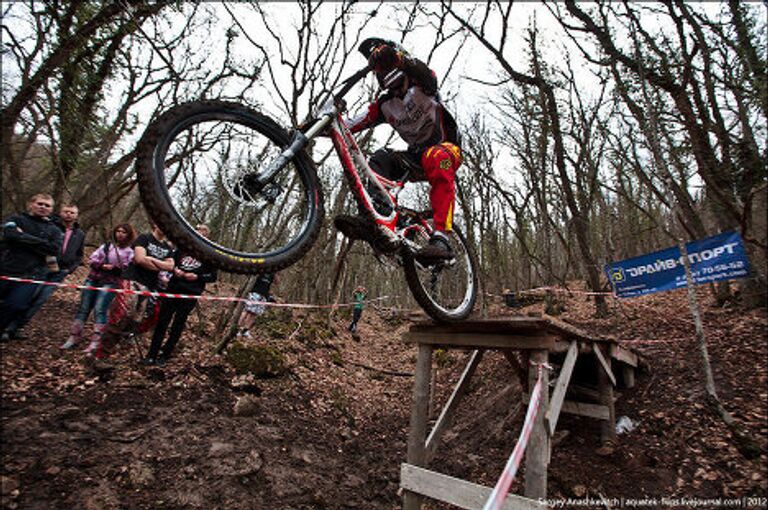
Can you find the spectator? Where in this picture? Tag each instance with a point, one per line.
(357, 311)
(69, 258)
(107, 265)
(259, 294)
(189, 277)
(29, 248)
(152, 253)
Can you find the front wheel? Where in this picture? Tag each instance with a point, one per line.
(446, 291)
(198, 162)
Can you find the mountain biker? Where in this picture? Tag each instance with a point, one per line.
(412, 106)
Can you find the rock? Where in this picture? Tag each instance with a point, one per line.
(247, 405)
(53, 470)
(8, 485)
(579, 491)
(218, 448)
(302, 454)
(141, 474)
(252, 463)
(353, 481)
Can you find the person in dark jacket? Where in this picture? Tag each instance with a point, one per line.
(69, 258)
(189, 277)
(30, 245)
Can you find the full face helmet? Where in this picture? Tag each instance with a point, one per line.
(385, 59)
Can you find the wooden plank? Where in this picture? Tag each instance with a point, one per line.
(504, 325)
(596, 411)
(624, 354)
(628, 374)
(604, 386)
(606, 364)
(537, 452)
(558, 394)
(583, 392)
(481, 340)
(456, 491)
(446, 416)
(418, 425)
(569, 330)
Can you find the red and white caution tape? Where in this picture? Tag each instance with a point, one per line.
(564, 291)
(496, 499)
(170, 295)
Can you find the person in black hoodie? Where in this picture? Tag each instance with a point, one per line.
(189, 277)
(29, 248)
(69, 258)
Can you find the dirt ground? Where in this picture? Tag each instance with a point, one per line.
(330, 433)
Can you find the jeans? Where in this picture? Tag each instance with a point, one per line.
(95, 300)
(356, 314)
(40, 295)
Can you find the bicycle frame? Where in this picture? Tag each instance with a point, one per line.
(354, 163)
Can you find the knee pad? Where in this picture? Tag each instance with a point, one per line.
(441, 161)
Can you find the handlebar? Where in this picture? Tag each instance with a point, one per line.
(351, 81)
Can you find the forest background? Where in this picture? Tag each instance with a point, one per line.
(592, 131)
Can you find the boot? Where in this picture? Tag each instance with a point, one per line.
(75, 333)
(95, 346)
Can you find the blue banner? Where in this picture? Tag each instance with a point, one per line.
(721, 257)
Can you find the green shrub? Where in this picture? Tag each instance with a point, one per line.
(259, 360)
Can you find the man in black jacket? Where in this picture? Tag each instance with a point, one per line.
(69, 258)
(189, 277)
(29, 248)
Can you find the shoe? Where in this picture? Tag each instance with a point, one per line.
(148, 362)
(5, 337)
(69, 344)
(354, 227)
(437, 250)
(161, 361)
(18, 335)
(92, 347)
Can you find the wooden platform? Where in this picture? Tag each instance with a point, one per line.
(544, 339)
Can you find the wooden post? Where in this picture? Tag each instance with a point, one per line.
(537, 453)
(605, 387)
(419, 415)
(558, 394)
(628, 373)
(446, 416)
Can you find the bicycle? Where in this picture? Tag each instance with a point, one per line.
(255, 184)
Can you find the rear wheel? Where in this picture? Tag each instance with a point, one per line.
(447, 290)
(196, 164)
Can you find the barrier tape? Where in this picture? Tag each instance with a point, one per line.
(564, 291)
(496, 499)
(182, 296)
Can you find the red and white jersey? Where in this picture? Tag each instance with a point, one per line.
(418, 116)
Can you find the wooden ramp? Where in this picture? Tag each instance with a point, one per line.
(588, 369)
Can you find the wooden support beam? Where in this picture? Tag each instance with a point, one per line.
(446, 416)
(483, 340)
(537, 452)
(457, 492)
(558, 394)
(625, 355)
(597, 411)
(628, 374)
(606, 364)
(604, 386)
(418, 427)
(592, 395)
